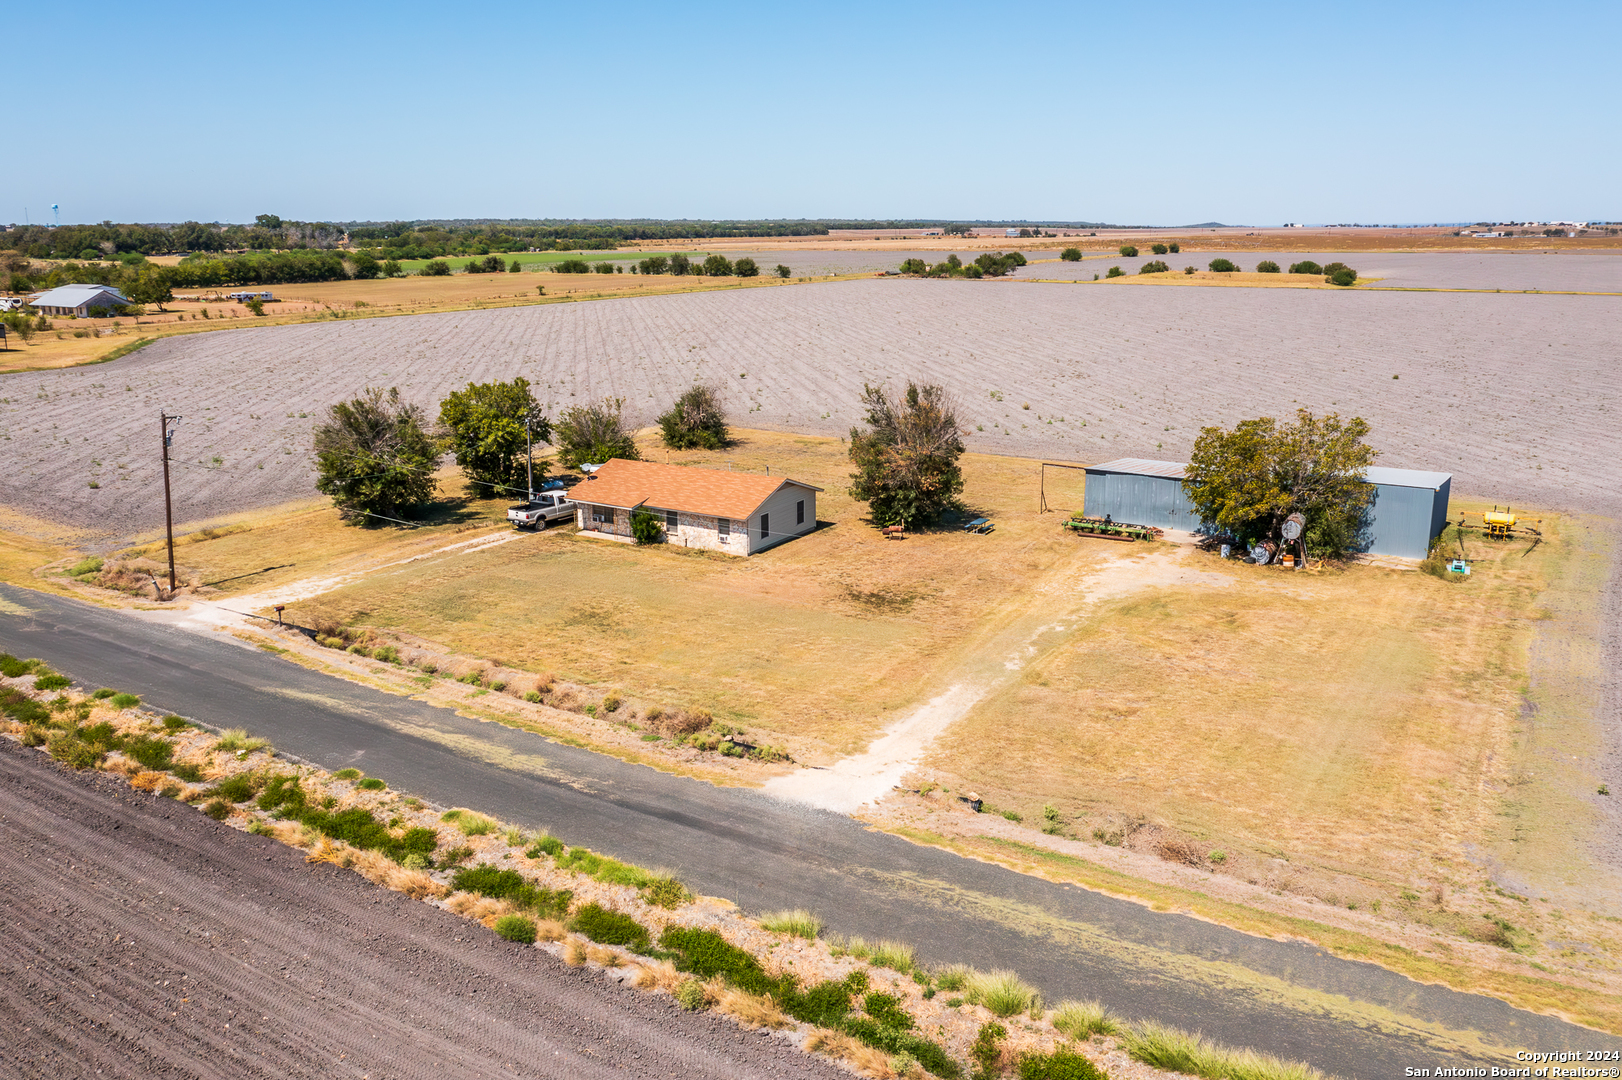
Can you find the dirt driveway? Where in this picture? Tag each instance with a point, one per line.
(143, 939)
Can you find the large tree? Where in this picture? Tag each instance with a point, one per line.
(906, 460)
(695, 420)
(1248, 480)
(593, 433)
(373, 456)
(485, 425)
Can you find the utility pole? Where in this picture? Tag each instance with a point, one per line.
(529, 458)
(164, 421)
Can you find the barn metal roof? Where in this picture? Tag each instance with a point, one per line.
(711, 492)
(1172, 470)
(1414, 478)
(70, 296)
(1375, 474)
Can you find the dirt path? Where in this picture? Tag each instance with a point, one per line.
(1058, 605)
(143, 939)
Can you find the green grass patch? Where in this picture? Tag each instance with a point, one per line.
(492, 881)
(796, 923)
(372, 783)
(13, 668)
(607, 927)
(516, 928)
(124, 701)
(1180, 1052)
(52, 681)
(346, 774)
(545, 845)
(156, 754)
(238, 788)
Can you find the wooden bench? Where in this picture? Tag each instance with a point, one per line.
(895, 532)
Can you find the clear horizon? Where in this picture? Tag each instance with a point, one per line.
(1254, 116)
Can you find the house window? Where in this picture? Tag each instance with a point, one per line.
(672, 520)
(723, 529)
(765, 526)
(799, 512)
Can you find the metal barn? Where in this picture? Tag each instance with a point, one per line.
(1408, 509)
(1140, 492)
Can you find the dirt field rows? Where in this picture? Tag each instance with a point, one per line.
(1506, 392)
(1566, 271)
(143, 939)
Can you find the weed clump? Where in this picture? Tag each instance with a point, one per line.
(608, 927)
(1003, 993)
(516, 928)
(371, 783)
(545, 845)
(346, 774)
(218, 809)
(239, 788)
(499, 884)
(1081, 1020)
(796, 923)
(155, 754)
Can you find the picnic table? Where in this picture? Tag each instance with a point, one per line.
(979, 525)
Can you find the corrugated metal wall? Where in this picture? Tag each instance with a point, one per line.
(1402, 520)
(1139, 500)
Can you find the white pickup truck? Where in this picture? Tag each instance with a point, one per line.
(544, 509)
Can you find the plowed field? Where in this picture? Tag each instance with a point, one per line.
(143, 939)
(1514, 395)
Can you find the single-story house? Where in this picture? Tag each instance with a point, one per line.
(78, 300)
(1408, 508)
(736, 513)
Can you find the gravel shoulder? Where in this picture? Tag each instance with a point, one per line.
(144, 939)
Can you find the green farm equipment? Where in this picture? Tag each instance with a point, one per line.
(1111, 530)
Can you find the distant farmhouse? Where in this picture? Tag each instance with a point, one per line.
(1407, 511)
(78, 300)
(735, 513)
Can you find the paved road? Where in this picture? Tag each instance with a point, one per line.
(1292, 999)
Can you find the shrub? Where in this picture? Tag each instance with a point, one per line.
(435, 268)
(1082, 1020)
(1154, 267)
(516, 928)
(1223, 266)
(1306, 266)
(608, 927)
(666, 892)
(238, 788)
(1070, 254)
(657, 264)
(887, 1010)
(386, 653)
(103, 694)
(456, 856)
(797, 923)
(695, 420)
(13, 668)
(281, 793)
(1003, 993)
(75, 752)
(52, 681)
(913, 266)
(746, 267)
(907, 458)
(186, 771)
(572, 266)
(593, 433)
(1189, 270)
(782, 271)
(1115, 271)
(218, 809)
(1343, 277)
(546, 845)
(647, 527)
(85, 567)
(895, 955)
(371, 783)
(1158, 249)
(689, 994)
(532, 696)
(1128, 251)
(124, 701)
(986, 1052)
(1175, 248)
(175, 723)
(1062, 1064)
(234, 739)
(155, 754)
(1267, 266)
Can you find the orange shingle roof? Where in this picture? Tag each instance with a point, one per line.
(711, 492)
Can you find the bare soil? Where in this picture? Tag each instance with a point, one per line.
(144, 939)
(1501, 391)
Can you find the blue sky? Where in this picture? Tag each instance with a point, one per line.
(1129, 113)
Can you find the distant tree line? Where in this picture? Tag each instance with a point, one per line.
(712, 266)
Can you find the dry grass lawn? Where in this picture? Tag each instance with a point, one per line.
(1365, 719)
